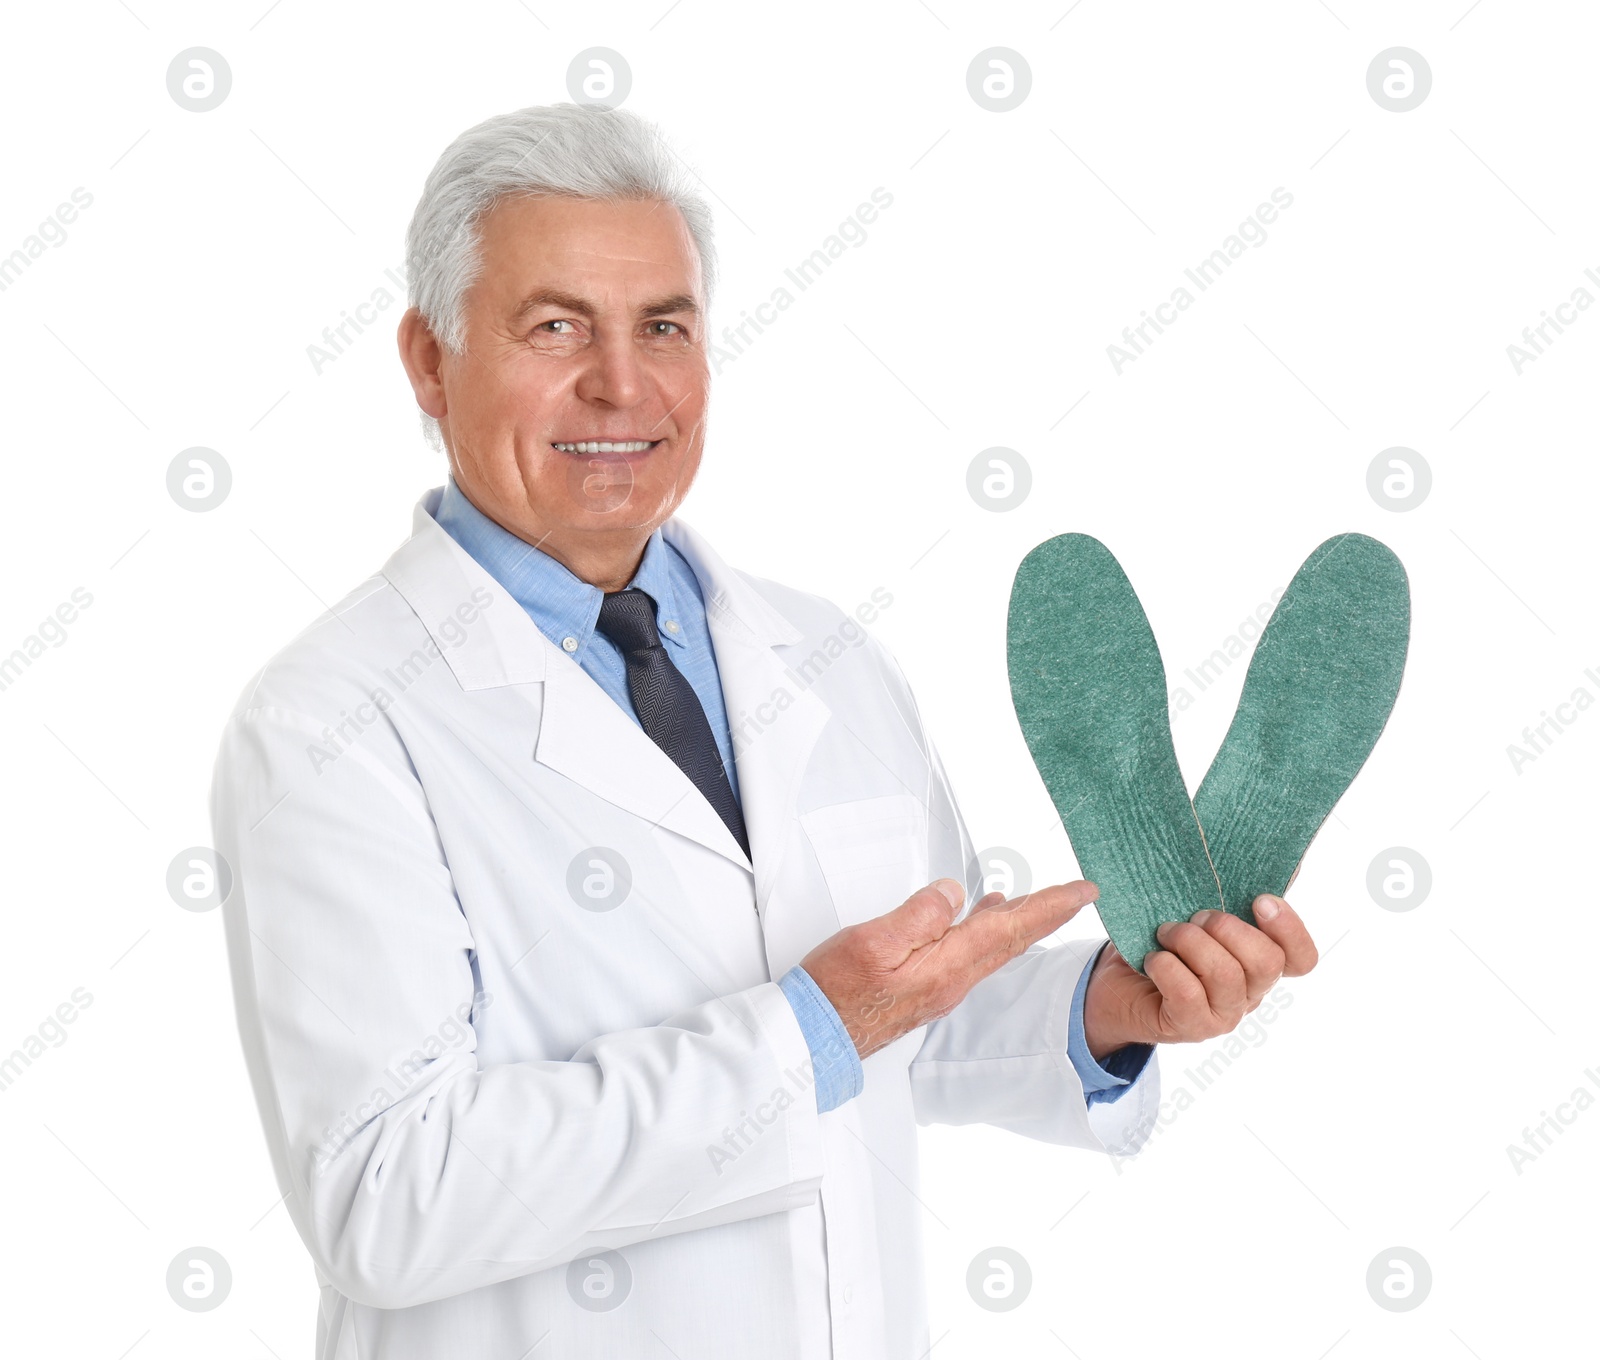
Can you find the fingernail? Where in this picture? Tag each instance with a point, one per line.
(1202, 916)
(1267, 907)
(952, 892)
(1163, 930)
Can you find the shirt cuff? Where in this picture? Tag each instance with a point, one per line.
(1108, 1082)
(835, 1065)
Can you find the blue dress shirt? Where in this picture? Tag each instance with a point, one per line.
(565, 609)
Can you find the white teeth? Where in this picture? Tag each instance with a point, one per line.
(607, 446)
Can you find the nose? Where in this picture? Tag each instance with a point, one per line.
(613, 374)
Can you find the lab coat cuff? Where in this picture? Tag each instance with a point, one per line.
(802, 1125)
(1108, 1081)
(835, 1065)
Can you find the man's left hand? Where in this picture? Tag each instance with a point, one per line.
(1209, 973)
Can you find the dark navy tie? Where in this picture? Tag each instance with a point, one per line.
(668, 708)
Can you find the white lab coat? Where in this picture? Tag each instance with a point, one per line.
(502, 1112)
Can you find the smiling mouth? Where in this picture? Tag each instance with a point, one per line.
(607, 446)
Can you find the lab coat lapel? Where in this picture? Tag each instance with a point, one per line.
(775, 718)
(583, 734)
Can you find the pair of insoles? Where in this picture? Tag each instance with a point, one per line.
(1091, 694)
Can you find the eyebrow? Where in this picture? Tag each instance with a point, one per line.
(571, 302)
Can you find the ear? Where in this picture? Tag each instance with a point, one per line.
(422, 355)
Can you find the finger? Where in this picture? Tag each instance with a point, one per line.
(1183, 1007)
(983, 942)
(986, 902)
(1276, 919)
(922, 918)
(1258, 953)
(1208, 959)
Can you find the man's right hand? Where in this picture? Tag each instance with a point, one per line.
(896, 972)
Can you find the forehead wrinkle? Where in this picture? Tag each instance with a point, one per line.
(634, 299)
(605, 273)
(616, 256)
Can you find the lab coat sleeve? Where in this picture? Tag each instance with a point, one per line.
(1000, 1057)
(412, 1171)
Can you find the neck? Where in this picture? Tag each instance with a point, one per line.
(606, 561)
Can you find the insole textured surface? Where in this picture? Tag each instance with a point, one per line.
(1091, 694)
(1319, 690)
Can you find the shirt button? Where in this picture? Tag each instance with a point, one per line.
(569, 644)
(848, 1293)
(672, 625)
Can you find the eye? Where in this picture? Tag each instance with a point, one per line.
(558, 322)
(672, 325)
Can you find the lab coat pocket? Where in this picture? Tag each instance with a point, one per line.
(873, 852)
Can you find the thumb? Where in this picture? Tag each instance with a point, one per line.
(928, 913)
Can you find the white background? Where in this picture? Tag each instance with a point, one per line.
(218, 246)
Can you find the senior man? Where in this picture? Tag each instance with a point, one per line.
(597, 932)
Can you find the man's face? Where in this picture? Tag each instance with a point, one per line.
(585, 326)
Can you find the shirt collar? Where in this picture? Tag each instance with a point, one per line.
(559, 603)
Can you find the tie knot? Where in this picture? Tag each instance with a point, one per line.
(628, 618)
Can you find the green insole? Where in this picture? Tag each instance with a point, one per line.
(1091, 695)
(1319, 690)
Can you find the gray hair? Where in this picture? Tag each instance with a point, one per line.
(572, 150)
(576, 150)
